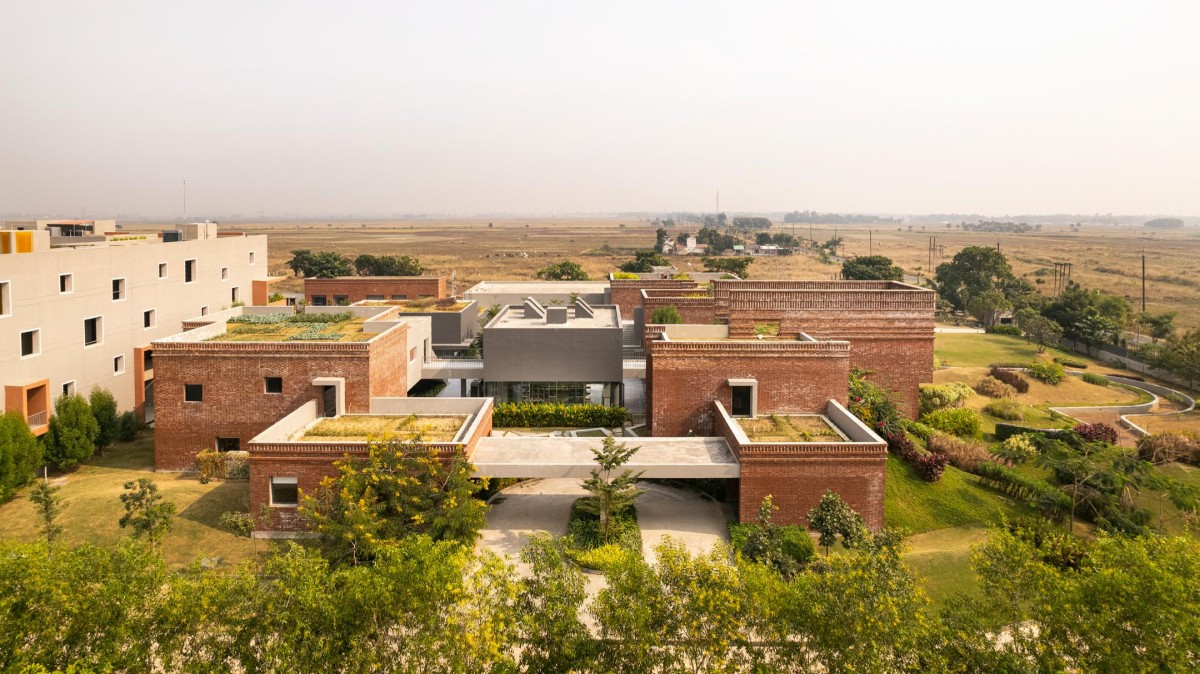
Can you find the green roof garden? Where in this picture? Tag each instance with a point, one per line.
(340, 327)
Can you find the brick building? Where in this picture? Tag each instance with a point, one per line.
(345, 290)
(218, 388)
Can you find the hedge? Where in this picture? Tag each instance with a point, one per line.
(964, 423)
(1047, 498)
(1011, 378)
(1071, 362)
(1005, 330)
(1006, 431)
(1097, 379)
(545, 415)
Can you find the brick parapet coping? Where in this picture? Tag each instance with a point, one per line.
(752, 347)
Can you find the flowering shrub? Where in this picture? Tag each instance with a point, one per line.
(1047, 371)
(931, 466)
(1097, 432)
(935, 397)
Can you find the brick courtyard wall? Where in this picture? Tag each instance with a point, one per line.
(797, 475)
(697, 310)
(356, 288)
(235, 403)
(683, 378)
(627, 293)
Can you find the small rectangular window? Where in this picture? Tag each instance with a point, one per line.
(375, 298)
(203, 311)
(193, 393)
(189, 271)
(319, 300)
(162, 269)
(284, 491)
(68, 388)
(66, 283)
(412, 354)
(251, 257)
(31, 343)
(118, 289)
(148, 318)
(5, 298)
(273, 384)
(92, 332)
(234, 295)
(118, 364)
(228, 444)
(399, 297)
(224, 273)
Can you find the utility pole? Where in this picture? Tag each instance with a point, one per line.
(1143, 280)
(185, 201)
(870, 242)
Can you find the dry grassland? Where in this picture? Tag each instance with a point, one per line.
(1108, 258)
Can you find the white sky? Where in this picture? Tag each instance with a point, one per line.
(274, 108)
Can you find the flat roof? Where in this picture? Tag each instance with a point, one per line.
(347, 330)
(518, 287)
(514, 317)
(418, 306)
(363, 427)
(572, 457)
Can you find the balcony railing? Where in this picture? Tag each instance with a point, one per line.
(36, 419)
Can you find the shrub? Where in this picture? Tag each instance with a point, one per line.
(1097, 432)
(71, 438)
(128, 426)
(874, 405)
(961, 454)
(543, 415)
(259, 319)
(1163, 448)
(931, 466)
(20, 454)
(1011, 378)
(1016, 449)
(1071, 362)
(320, 318)
(919, 429)
(666, 316)
(624, 275)
(1005, 330)
(794, 540)
(1005, 409)
(1005, 431)
(1043, 496)
(994, 388)
(961, 422)
(601, 558)
(1047, 371)
(214, 465)
(241, 524)
(934, 397)
(900, 445)
(1097, 379)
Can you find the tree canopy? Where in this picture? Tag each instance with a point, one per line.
(871, 268)
(20, 454)
(973, 271)
(387, 265)
(322, 264)
(71, 438)
(563, 271)
(644, 262)
(738, 266)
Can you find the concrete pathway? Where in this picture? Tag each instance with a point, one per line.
(684, 516)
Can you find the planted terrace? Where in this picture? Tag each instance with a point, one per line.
(791, 428)
(308, 327)
(361, 428)
(419, 306)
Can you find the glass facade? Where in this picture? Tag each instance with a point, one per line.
(567, 393)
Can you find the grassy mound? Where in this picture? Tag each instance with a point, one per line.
(956, 500)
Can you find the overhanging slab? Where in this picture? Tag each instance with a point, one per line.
(532, 457)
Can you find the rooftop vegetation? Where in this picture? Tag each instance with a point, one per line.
(790, 428)
(314, 327)
(352, 428)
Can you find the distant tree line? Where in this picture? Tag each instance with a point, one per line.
(745, 223)
(1164, 223)
(1006, 227)
(328, 264)
(836, 218)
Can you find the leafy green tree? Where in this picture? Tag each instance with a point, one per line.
(738, 266)
(402, 488)
(71, 438)
(973, 271)
(104, 409)
(549, 601)
(323, 264)
(871, 268)
(20, 454)
(660, 238)
(644, 262)
(1180, 353)
(668, 315)
(1160, 326)
(610, 494)
(387, 265)
(1038, 329)
(128, 426)
(146, 512)
(832, 518)
(1088, 315)
(48, 505)
(766, 544)
(987, 306)
(563, 271)
(1164, 223)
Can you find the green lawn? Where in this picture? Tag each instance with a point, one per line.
(93, 496)
(955, 500)
(942, 558)
(981, 350)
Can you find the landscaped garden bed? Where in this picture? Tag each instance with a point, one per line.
(791, 428)
(585, 543)
(357, 428)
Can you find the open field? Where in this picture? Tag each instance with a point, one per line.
(94, 507)
(1104, 257)
(1189, 421)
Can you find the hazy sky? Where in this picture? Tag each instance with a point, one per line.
(274, 108)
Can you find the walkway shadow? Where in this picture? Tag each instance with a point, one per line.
(224, 497)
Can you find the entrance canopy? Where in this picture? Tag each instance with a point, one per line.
(572, 457)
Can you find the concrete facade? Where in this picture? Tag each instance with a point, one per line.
(53, 291)
(351, 289)
(505, 293)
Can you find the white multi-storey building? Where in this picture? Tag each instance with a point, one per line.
(80, 311)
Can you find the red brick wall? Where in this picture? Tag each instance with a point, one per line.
(356, 288)
(797, 483)
(696, 310)
(627, 293)
(683, 378)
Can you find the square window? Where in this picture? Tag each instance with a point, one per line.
(5, 298)
(193, 393)
(118, 289)
(341, 300)
(31, 343)
(273, 384)
(66, 283)
(118, 364)
(68, 388)
(189, 271)
(92, 331)
(228, 444)
(224, 273)
(284, 491)
(148, 318)
(319, 300)
(162, 269)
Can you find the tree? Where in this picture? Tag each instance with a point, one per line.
(563, 271)
(610, 495)
(48, 505)
(402, 488)
(660, 238)
(20, 454)
(146, 512)
(1180, 353)
(1088, 315)
(549, 602)
(871, 268)
(668, 315)
(762, 238)
(644, 262)
(1043, 331)
(831, 518)
(987, 306)
(1164, 223)
(1160, 326)
(751, 223)
(71, 438)
(387, 265)
(324, 264)
(973, 271)
(104, 409)
(736, 266)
